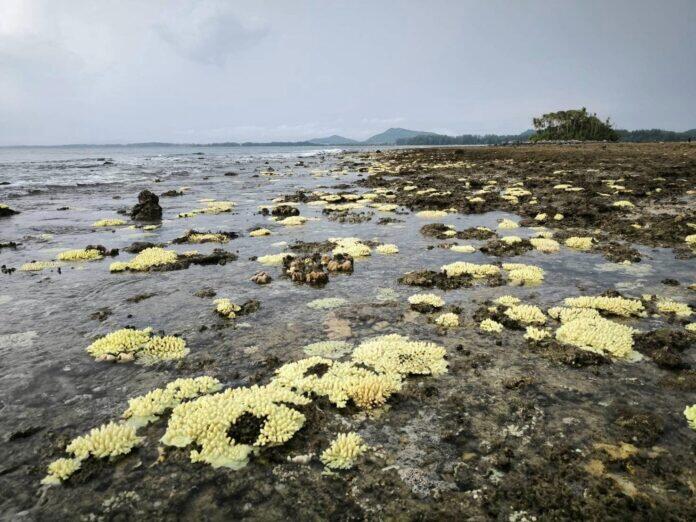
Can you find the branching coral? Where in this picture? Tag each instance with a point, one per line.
(108, 440)
(511, 240)
(81, 254)
(669, 306)
(507, 300)
(145, 260)
(127, 344)
(475, 270)
(387, 249)
(37, 266)
(489, 325)
(108, 223)
(430, 300)
(226, 308)
(274, 259)
(344, 451)
(397, 354)
(448, 320)
(507, 223)
(579, 243)
(227, 427)
(545, 245)
(351, 246)
(330, 349)
(597, 335)
(690, 414)
(526, 314)
(431, 214)
(147, 408)
(536, 334)
(463, 249)
(564, 314)
(212, 207)
(61, 469)
(521, 274)
(260, 232)
(612, 305)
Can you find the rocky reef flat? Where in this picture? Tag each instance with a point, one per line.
(488, 333)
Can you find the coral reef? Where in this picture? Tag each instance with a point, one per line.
(426, 303)
(598, 335)
(80, 254)
(611, 305)
(448, 320)
(128, 344)
(344, 451)
(489, 325)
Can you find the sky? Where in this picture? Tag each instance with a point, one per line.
(123, 71)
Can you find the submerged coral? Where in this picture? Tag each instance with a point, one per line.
(344, 451)
(326, 303)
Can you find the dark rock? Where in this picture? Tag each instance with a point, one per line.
(139, 246)
(147, 208)
(206, 292)
(172, 193)
(261, 278)
(7, 211)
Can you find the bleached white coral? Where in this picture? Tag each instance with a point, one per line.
(145, 260)
(463, 249)
(526, 314)
(147, 408)
(623, 204)
(388, 249)
(448, 320)
(108, 440)
(344, 451)
(597, 335)
(427, 299)
(579, 243)
(489, 325)
(475, 270)
(80, 254)
(212, 207)
(613, 305)
(398, 354)
(545, 245)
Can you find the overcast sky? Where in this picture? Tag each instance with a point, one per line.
(98, 71)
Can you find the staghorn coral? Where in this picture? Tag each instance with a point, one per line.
(60, 470)
(344, 451)
(669, 306)
(463, 249)
(526, 314)
(147, 408)
(489, 325)
(507, 224)
(612, 305)
(598, 335)
(474, 270)
(351, 246)
(274, 259)
(37, 266)
(260, 232)
(579, 243)
(690, 414)
(108, 223)
(507, 300)
(395, 353)
(108, 440)
(80, 254)
(521, 274)
(448, 320)
(145, 260)
(536, 334)
(339, 382)
(548, 246)
(226, 308)
(227, 427)
(127, 344)
(387, 249)
(330, 349)
(564, 314)
(426, 300)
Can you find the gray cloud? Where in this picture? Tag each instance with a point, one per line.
(214, 70)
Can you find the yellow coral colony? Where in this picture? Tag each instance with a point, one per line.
(226, 308)
(674, 307)
(448, 320)
(507, 224)
(397, 354)
(387, 249)
(431, 214)
(209, 423)
(548, 246)
(521, 274)
(536, 334)
(38, 266)
(260, 232)
(427, 299)
(212, 207)
(489, 325)
(463, 249)
(273, 259)
(80, 254)
(477, 271)
(109, 440)
(526, 314)
(690, 414)
(147, 408)
(612, 305)
(344, 451)
(145, 260)
(579, 243)
(207, 238)
(108, 223)
(597, 335)
(127, 344)
(351, 246)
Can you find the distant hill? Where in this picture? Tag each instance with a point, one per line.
(393, 135)
(465, 139)
(334, 140)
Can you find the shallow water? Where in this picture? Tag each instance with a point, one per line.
(48, 381)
